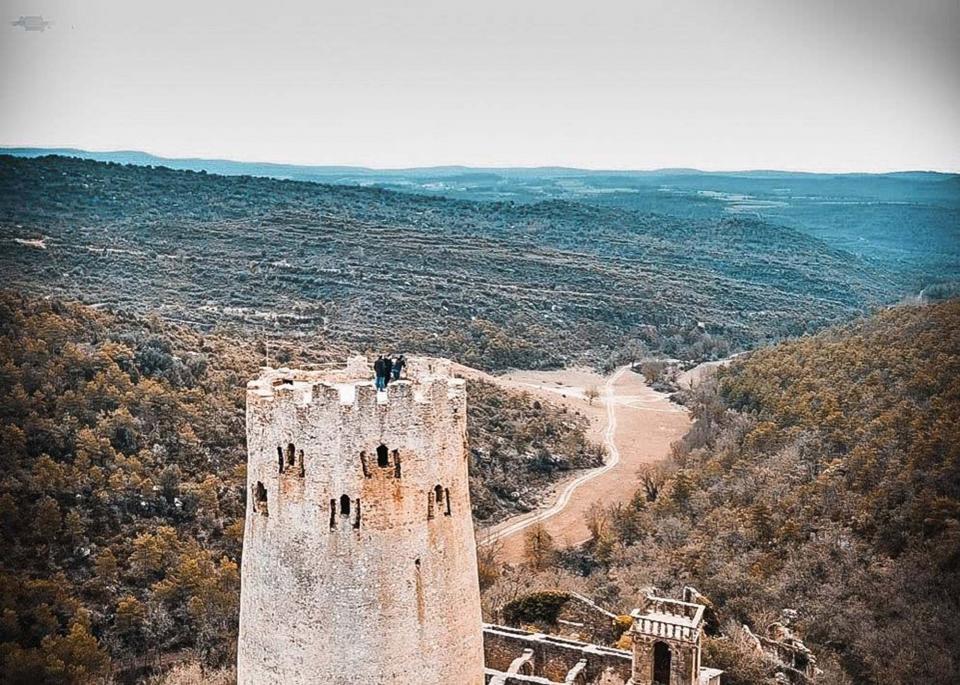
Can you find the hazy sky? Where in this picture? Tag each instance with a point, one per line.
(806, 84)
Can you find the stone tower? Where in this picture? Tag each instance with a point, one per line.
(359, 563)
(666, 642)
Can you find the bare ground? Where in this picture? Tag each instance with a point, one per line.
(636, 423)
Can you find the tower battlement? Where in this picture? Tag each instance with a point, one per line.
(427, 381)
(358, 559)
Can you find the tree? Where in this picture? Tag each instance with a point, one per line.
(131, 617)
(653, 370)
(737, 656)
(597, 518)
(681, 487)
(652, 478)
(47, 519)
(76, 657)
(75, 527)
(591, 393)
(762, 522)
(488, 563)
(539, 546)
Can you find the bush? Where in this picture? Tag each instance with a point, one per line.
(538, 608)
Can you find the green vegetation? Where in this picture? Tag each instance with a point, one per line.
(864, 214)
(536, 608)
(492, 284)
(122, 502)
(122, 525)
(518, 445)
(821, 475)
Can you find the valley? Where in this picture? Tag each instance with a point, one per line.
(141, 299)
(495, 285)
(636, 425)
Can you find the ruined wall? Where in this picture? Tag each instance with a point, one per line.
(497, 678)
(585, 618)
(554, 657)
(359, 563)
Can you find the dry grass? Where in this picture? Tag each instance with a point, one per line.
(192, 673)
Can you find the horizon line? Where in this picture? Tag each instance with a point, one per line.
(59, 149)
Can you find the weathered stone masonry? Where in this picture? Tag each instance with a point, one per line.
(549, 659)
(358, 560)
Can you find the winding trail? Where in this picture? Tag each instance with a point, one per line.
(518, 523)
(636, 424)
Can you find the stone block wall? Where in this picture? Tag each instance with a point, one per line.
(579, 614)
(553, 657)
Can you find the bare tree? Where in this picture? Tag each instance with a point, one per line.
(539, 546)
(591, 393)
(652, 479)
(597, 518)
(489, 566)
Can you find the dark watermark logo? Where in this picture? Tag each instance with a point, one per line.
(32, 23)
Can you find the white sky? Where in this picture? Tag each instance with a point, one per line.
(865, 85)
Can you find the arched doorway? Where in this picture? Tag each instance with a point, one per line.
(661, 663)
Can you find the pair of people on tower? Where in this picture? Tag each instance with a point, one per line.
(386, 369)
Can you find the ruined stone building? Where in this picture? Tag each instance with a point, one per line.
(794, 663)
(359, 563)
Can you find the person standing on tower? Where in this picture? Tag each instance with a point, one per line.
(398, 365)
(379, 370)
(387, 370)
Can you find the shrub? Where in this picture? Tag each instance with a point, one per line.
(539, 608)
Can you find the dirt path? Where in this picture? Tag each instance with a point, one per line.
(636, 424)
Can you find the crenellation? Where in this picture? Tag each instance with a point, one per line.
(423, 378)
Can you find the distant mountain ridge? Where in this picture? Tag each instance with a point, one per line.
(494, 284)
(217, 165)
(908, 221)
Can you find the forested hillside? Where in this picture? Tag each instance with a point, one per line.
(493, 284)
(907, 222)
(122, 498)
(821, 475)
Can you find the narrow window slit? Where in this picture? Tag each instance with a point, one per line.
(291, 454)
(383, 456)
(446, 493)
(333, 514)
(260, 499)
(430, 504)
(344, 505)
(356, 519)
(396, 463)
(364, 465)
(303, 470)
(280, 458)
